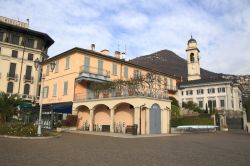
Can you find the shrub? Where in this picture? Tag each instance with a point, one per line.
(70, 121)
(175, 111)
(191, 121)
(174, 101)
(18, 129)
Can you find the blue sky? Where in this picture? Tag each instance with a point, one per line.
(221, 27)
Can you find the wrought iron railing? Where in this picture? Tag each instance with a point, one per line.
(28, 78)
(94, 70)
(12, 76)
(119, 93)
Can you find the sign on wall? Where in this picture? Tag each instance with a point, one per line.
(14, 22)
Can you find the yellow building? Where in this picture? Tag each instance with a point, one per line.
(19, 47)
(111, 110)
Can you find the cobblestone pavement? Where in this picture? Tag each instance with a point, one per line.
(77, 149)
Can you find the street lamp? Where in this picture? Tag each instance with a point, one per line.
(37, 65)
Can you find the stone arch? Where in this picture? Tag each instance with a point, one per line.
(124, 114)
(192, 57)
(83, 114)
(101, 117)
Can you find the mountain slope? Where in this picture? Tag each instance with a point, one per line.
(168, 62)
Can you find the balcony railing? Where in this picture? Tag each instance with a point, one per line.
(28, 78)
(94, 72)
(12, 76)
(26, 97)
(117, 93)
(172, 88)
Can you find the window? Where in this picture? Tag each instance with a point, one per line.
(211, 104)
(221, 90)
(114, 71)
(26, 90)
(137, 73)
(47, 70)
(171, 84)
(30, 43)
(189, 92)
(12, 71)
(57, 66)
(182, 93)
(10, 87)
(86, 64)
(159, 81)
(0, 50)
(166, 84)
(54, 89)
(192, 57)
(30, 57)
(15, 39)
(126, 71)
(28, 72)
(210, 90)
(1, 36)
(100, 67)
(222, 103)
(45, 92)
(199, 91)
(65, 88)
(14, 53)
(67, 62)
(200, 103)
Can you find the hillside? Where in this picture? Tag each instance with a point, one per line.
(168, 62)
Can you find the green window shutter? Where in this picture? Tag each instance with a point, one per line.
(114, 71)
(125, 71)
(100, 67)
(86, 63)
(65, 88)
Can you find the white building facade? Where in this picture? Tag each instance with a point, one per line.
(219, 94)
(209, 93)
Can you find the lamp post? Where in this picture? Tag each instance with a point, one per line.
(38, 66)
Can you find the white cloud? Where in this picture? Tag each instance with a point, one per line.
(222, 28)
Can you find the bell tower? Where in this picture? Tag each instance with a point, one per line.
(193, 63)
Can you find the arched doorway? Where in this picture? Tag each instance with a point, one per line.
(155, 119)
(84, 119)
(101, 118)
(123, 116)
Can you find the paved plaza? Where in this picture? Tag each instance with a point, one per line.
(206, 149)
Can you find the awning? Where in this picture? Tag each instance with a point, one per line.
(64, 107)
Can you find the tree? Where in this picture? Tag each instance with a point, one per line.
(8, 106)
(174, 101)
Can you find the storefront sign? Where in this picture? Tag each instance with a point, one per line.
(13, 22)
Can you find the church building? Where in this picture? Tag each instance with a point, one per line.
(213, 92)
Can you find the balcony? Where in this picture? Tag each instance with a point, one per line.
(28, 78)
(79, 97)
(12, 76)
(172, 89)
(92, 73)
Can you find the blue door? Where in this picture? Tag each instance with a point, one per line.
(155, 119)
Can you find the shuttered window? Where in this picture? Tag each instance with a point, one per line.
(126, 71)
(114, 71)
(54, 89)
(100, 67)
(86, 64)
(65, 88)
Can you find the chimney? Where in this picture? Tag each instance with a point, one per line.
(105, 52)
(118, 54)
(93, 47)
